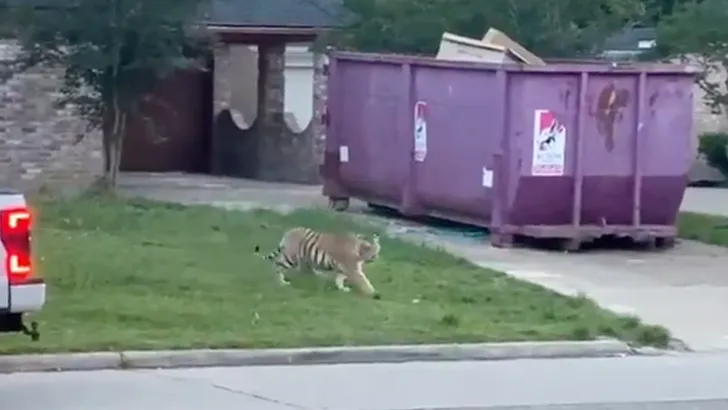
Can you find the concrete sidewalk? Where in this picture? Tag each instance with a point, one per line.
(684, 289)
(713, 201)
(679, 382)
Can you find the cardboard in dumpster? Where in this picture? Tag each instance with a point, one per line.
(498, 38)
(459, 48)
(495, 47)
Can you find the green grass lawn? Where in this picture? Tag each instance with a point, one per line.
(144, 275)
(703, 228)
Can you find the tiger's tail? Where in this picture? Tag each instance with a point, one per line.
(271, 256)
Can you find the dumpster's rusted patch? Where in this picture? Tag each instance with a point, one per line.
(564, 97)
(653, 98)
(609, 104)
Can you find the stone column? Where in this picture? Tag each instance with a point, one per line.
(270, 127)
(221, 100)
(320, 93)
(283, 154)
(271, 81)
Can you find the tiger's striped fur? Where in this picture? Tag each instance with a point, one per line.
(343, 254)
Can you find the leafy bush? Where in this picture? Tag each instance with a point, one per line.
(713, 146)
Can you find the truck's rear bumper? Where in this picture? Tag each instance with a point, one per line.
(28, 297)
(12, 323)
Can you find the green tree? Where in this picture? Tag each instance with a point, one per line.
(551, 28)
(656, 10)
(697, 34)
(112, 52)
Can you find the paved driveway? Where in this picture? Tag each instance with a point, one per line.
(684, 289)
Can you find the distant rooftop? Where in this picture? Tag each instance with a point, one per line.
(632, 40)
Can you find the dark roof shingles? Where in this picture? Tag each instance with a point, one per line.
(284, 13)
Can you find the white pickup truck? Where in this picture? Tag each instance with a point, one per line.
(21, 289)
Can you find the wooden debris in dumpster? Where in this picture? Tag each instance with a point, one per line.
(459, 48)
(495, 47)
(498, 38)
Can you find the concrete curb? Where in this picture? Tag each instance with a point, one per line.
(62, 361)
(311, 356)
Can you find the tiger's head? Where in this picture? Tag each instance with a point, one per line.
(369, 249)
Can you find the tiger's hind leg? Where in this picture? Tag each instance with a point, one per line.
(281, 273)
(282, 279)
(339, 280)
(280, 262)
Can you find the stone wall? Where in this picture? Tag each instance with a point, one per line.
(42, 146)
(705, 120)
(268, 149)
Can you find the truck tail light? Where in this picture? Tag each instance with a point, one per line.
(15, 237)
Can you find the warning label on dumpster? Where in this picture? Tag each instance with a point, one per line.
(549, 145)
(420, 131)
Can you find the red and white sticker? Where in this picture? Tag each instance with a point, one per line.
(549, 145)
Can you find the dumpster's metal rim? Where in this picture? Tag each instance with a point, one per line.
(561, 68)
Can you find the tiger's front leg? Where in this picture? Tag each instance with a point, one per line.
(361, 281)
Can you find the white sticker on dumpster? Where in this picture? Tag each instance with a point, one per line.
(343, 153)
(420, 131)
(549, 145)
(487, 178)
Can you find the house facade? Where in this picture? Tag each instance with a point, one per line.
(47, 147)
(42, 146)
(629, 43)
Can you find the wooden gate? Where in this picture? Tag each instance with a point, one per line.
(172, 132)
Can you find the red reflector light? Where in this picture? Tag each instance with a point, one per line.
(15, 236)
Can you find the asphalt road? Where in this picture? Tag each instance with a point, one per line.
(688, 381)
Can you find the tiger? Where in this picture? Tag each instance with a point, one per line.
(343, 254)
(369, 250)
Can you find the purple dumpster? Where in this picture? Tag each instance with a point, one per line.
(571, 151)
